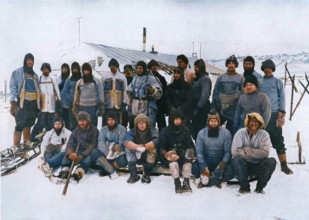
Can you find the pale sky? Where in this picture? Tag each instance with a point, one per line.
(47, 29)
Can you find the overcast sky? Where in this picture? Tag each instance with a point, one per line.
(49, 28)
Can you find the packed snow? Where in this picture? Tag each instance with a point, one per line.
(27, 194)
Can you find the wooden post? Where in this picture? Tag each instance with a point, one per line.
(292, 97)
(285, 74)
(292, 79)
(300, 149)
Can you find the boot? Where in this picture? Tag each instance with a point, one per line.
(244, 191)
(64, 173)
(78, 174)
(177, 185)
(186, 185)
(17, 137)
(146, 178)
(284, 165)
(259, 190)
(26, 135)
(134, 177)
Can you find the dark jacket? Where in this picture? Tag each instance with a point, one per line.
(161, 102)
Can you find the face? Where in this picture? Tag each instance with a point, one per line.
(30, 63)
(86, 72)
(139, 70)
(268, 71)
(177, 121)
(74, 70)
(176, 76)
(248, 65)
(154, 68)
(111, 122)
(57, 125)
(250, 88)
(141, 126)
(82, 124)
(196, 68)
(128, 72)
(231, 67)
(181, 64)
(253, 124)
(64, 70)
(46, 72)
(113, 69)
(213, 123)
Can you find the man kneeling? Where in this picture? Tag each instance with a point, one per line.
(141, 142)
(178, 149)
(250, 149)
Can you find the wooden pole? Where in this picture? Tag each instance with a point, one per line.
(292, 79)
(285, 74)
(300, 149)
(292, 97)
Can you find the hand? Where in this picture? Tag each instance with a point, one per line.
(171, 155)
(14, 109)
(116, 147)
(79, 158)
(150, 90)
(73, 156)
(205, 176)
(141, 149)
(221, 166)
(280, 119)
(189, 154)
(205, 172)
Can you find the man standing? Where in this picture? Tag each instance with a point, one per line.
(178, 149)
(273, 88)
(110, 154)
(25, 98)
(89, 96)
(143, 93)
(249, 64)
(128, 72)
(250, 149)
(54, 143)
(67, 94)
(183, 62)
(49, 93)
(115, 86)
(160, 117)
(227, 91)
(86, 137)
(64, 112)
(141, 142)
(252, 101)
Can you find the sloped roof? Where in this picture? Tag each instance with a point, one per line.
(126, 56)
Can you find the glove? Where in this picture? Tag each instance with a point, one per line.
(116, 147)
(221, 166)
(14, 109)
(189, 154)
(171, 155)
(150, 90)
(75, 110)
(141, 149)
(73, 156)
(280, 119)
(205, 176)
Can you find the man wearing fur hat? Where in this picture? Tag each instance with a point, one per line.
(250, 150)
(54, 143)
(128, 72)
(248, 65)
(89, 95)
(110, 154)
(273, 88)
(49, 92)
(141, 143)
(252, 101)
(68, 91)
(143, 93)
(178, 149)
(227, 90)
(115, 86)
(213, 149)
(25, 99)
(160, 117)
(86, 137)
(179, 96)
(183, 62)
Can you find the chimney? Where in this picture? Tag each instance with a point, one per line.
(144, 39)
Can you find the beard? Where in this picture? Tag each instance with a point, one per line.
(213, 132)
(248, 72)
(88, 78)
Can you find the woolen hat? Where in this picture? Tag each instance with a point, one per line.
(183, 58)
(268, 64)
(113, 62)
(232, 59)
(251, 79)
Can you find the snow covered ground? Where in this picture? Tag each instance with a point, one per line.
(27, 194)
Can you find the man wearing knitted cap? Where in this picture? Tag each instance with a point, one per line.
(25, 99)
(54, 143)
(68, 91)
(250, 150)
(252, 101)
(115, 86)
(213, 149)
(49, 93)
(160, 117)
(85, 136)
(227, 90)
(177, 148)
(248, 65)
(128, 73)
(143, 93)
(89, 95)
(141, 143)
(273, 88)
(183, 62)
(110, 154)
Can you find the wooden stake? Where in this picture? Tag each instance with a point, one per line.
(292, 97)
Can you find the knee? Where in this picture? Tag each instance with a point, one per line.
(151, 157)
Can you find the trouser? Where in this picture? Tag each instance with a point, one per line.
(73, 121)
(275, 133)
(65, 115)
(92, 111)
(229, 123)
(147, 159)
(182, 165)
(263, 170)
(160, 118)
(117, 111)
(109, 166)
(125, 118)
(45, 120)
(55, 160)
(26, 116)
(84, 163)
(198, 123)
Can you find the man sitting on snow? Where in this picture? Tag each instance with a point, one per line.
(85, 136)
(250, 149)
(141, 142)
(54, 143)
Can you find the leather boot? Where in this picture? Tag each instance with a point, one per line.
(26, 134)
(186, 185)
(284, 165)
(16, 138)
(177, 185)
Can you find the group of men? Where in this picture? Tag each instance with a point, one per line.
(252, 108)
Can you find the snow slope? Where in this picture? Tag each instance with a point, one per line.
(27, 194)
